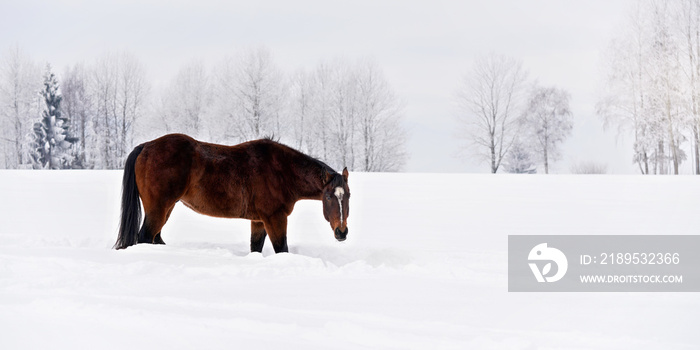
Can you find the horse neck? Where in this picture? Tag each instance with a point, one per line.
(310, 182)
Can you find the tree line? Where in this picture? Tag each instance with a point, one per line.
(93, 114)
(652, 84)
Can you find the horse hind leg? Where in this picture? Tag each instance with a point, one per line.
(152, 225)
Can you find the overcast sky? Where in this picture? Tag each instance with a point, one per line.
(424, 47)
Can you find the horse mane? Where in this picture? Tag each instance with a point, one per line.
(336, 178)
(274, 139)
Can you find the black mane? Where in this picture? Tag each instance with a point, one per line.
(336, 179)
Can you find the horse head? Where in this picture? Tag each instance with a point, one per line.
(336, 203)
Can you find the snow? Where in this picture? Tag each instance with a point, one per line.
(424, 266)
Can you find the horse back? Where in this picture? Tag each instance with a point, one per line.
(250, 180)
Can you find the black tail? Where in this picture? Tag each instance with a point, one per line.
(131, 206)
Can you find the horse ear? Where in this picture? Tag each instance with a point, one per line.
(345, 174)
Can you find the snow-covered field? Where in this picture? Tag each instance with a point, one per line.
(424, 267)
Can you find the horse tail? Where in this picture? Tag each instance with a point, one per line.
(131, 206)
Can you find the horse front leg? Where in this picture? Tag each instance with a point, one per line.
(276, 228)
(257, 236)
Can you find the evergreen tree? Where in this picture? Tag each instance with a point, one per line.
(52, 143)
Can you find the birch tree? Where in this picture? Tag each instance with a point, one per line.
(354, 117)
(489, 103)
(302, 106)
(77, 107)
(624, 103)
(132, 90)
(184, 103)
(250, 96)
(20, 103)
(547, 122)
(104, 89)
(688, 24)
(119, 88)
(381, 136)
(652, 84)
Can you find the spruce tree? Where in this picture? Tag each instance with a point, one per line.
(52, 143)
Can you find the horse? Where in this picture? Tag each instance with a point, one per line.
(258, 180)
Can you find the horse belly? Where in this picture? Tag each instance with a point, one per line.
(217, 205)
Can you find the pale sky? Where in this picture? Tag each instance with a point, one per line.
(424, 48)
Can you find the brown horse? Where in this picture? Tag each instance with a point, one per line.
(257, 180)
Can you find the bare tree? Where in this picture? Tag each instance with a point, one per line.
(302, 105)
(547, 122)
(104, 89)
(688, 20)
(665, 75)
(342, 114)
(353, 115)
(119, 87)
(132, 90)
(250, 94)
(490, 101)
(626, 95)
(319, 144)
(184, 102)
(20, 104)
(77, 106)
(382, 138)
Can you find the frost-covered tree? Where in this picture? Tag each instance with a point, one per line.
(688, 21)
(132, 91)
(347, 114)
(519, 160)
(669, 114)
(77, 108)
(250, 93)
(489, 103)
(301, 108)
(184, 104)
(20, 79)
(51, 148)
(119, 89)
(625, 98)
(547, 122)
(651, 83)
(104, 91)
(381, 136)
(342, 114)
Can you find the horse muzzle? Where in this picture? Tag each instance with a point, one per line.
(341, 235)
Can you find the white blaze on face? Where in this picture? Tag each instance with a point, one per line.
(339, 193)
